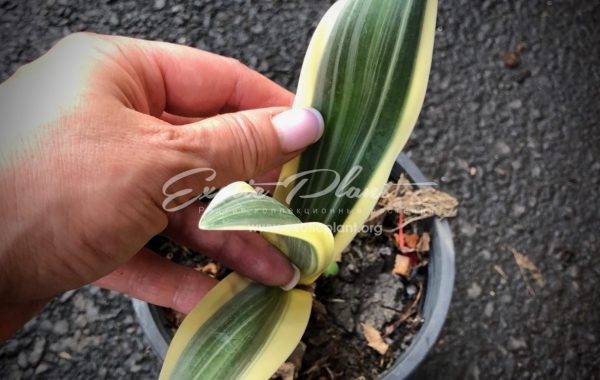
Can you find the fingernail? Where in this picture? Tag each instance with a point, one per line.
(298, 128)
(294, 281)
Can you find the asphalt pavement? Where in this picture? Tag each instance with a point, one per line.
(519, 147)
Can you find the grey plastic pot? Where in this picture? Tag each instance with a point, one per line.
(434, 305)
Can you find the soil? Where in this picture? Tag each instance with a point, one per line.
(365, 290)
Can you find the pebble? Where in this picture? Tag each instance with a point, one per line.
(43, 367)
(178, 20)
(518, 210)
(79, 301)
(468, 229)
(411, 290)
(257, 28)
(66, 296)
(114, 20)
(516, 164)
(159, 4)
(515, 104)
(385, 251)
(91, 311)
(128, 320)
(489, 309)
(573, 271)
(486, 254)
(65, 355)
(22, 360)
(102, 372)
(502, 148)
(515, 344)
(474, 290)
(45, 325)
(61, 327)
(591, 337)
(38, 350)
(81, 321)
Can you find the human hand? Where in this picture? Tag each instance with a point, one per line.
(92, 131)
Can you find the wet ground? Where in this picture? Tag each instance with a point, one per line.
(520, 147)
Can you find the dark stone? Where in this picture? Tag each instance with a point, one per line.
(381, 308)
(38, 350)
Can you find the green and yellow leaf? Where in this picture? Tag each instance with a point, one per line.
(366, 70)
(240, 330)
(238, 207)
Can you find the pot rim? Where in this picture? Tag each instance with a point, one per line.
(437, 296)
(440, 284)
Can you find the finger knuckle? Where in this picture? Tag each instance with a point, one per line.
(165, 136)
(236, 63)
(172, 144)
(247, 139)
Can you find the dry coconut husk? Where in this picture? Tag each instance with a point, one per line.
(418, 204)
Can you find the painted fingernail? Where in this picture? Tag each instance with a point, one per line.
(294, 281)
(298, 128)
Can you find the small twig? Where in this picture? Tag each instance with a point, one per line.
(391, 308)
(501, 272)
(329, 372)
(401, 231)
(516, 254)
(317, 366)
(413, 219)
(404, 316)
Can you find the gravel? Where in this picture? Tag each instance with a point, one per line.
(519, 147)
(66, 342)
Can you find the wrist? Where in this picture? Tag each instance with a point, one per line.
(20, 297)
(21, 230)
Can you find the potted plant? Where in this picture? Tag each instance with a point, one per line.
(366, 70)
(433, 305)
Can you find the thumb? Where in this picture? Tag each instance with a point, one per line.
(243, 145)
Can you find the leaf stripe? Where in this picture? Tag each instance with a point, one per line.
(389, 76)
(247, 319)
(240, 330)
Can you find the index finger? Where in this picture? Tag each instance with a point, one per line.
(197, 83)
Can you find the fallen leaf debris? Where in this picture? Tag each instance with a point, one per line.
(374, 338)
(527, 266)
(422, 203)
